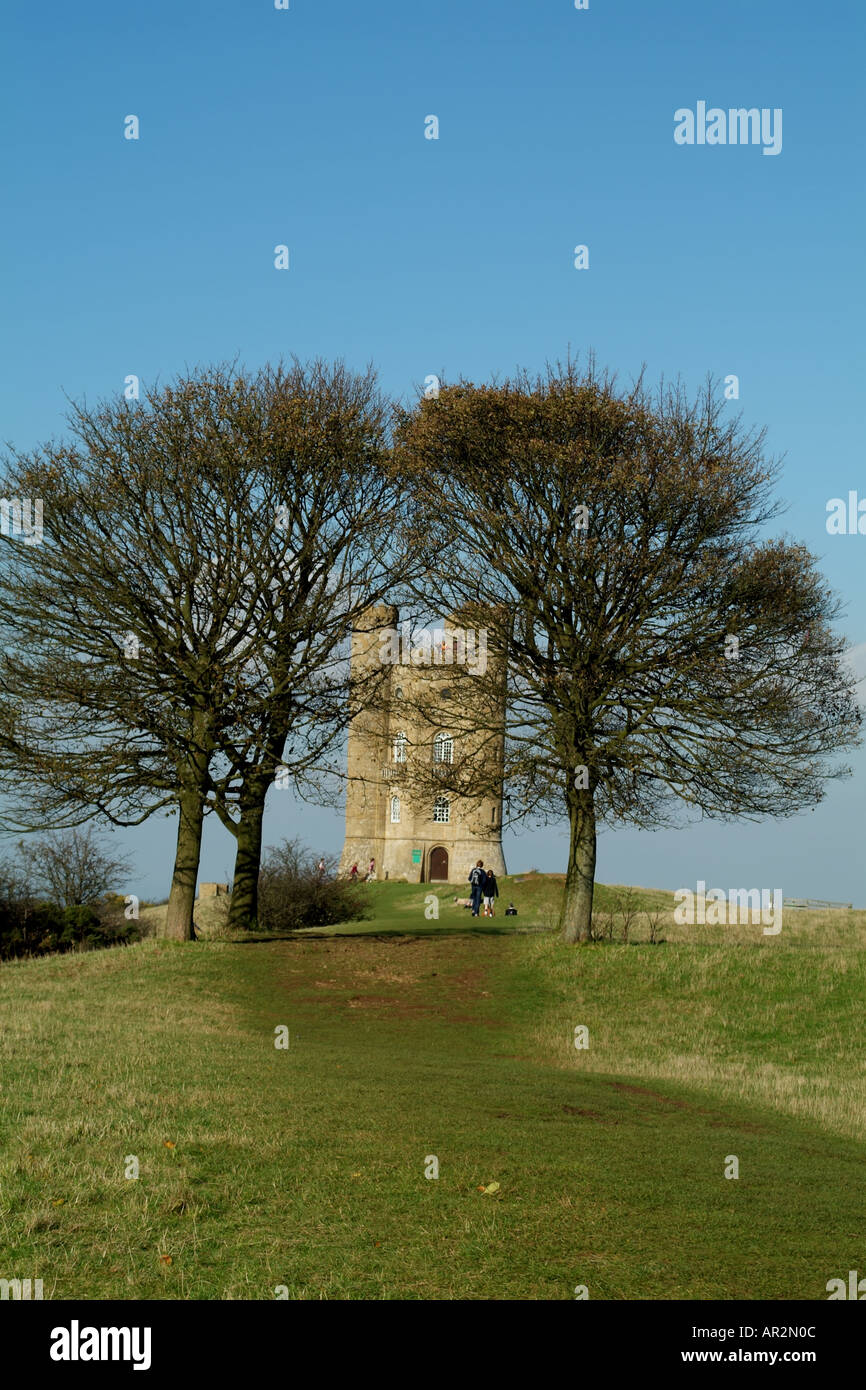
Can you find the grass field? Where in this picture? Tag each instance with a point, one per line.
(303, 1169)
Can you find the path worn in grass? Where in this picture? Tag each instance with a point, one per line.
(304, 1168)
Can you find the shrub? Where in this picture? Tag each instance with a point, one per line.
(31, 927)
(293, 892)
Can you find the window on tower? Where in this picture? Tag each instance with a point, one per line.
(443, 749)
(395, 810)
(398, 751)
(442, 809)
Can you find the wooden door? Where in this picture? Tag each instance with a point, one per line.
(439, 865)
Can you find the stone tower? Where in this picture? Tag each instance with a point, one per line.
(417, 837)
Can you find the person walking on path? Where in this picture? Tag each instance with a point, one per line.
(353, 873)
(476, 883)
(490, 889)
(372, 874)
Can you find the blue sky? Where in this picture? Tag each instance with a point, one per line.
(305, 127)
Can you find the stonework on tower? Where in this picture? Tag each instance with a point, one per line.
(401, 739)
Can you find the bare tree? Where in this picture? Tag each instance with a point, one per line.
(203, 554)
(341, 542)
(121, 642)
(72, 867)
(662, 649)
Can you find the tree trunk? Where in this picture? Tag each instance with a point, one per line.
(244, 904)
(181, 899)
(576, 918)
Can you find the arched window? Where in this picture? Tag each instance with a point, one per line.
(399, 748)
(442, 809)
(443, 749)
(395, 810)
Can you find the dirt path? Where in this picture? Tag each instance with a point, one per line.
(393, 978)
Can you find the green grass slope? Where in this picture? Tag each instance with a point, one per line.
(410, 1037)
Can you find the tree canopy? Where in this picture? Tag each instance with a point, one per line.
(661, 647)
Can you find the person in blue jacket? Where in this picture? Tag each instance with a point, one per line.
(476, 884)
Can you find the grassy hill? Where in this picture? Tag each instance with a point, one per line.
(399, 907)
(412, 1037)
